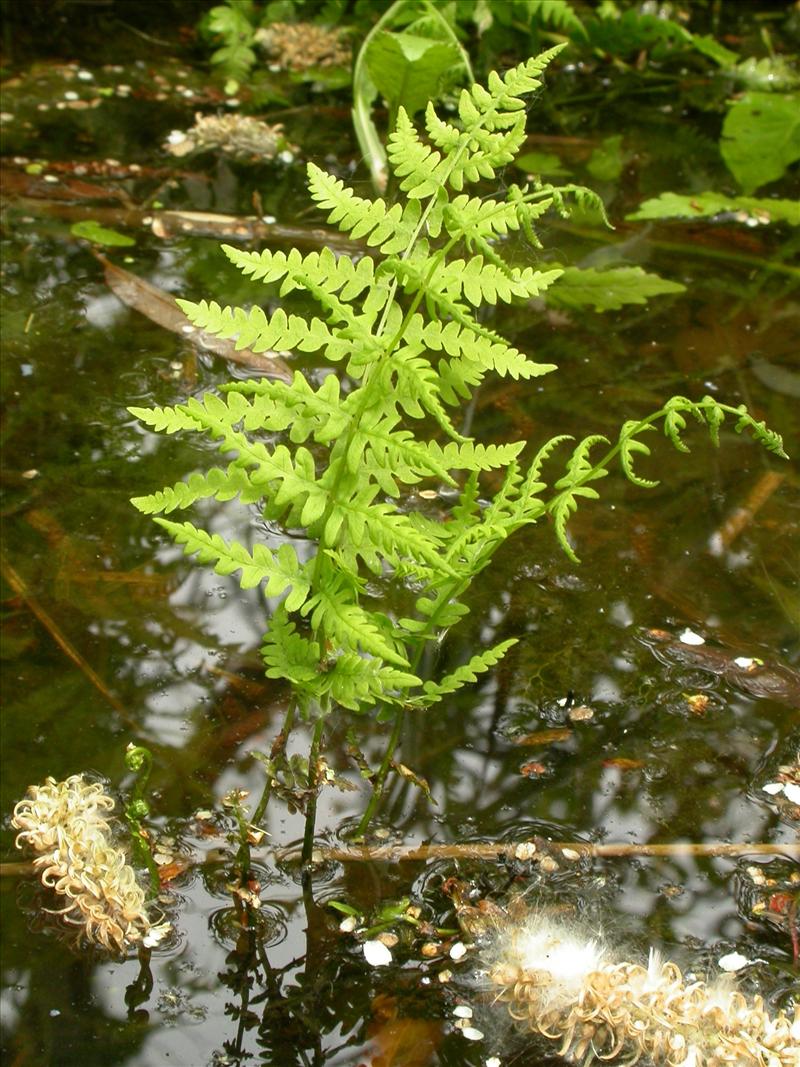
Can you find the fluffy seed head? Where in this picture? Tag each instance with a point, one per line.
(66, 825)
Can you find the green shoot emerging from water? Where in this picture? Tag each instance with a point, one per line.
(402, 323)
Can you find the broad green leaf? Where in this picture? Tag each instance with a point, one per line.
(608, 160)
(545, 163)
(761, 137)
(707, 205)
(710, 47)
(408, 70)
(608, 290)
(100, 235)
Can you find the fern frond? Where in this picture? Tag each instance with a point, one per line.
(220, 484)
(252, 329)
(354, 682)
(298, 407)
(325, 269)
(290, 656)
(166, 420)
(350, 626)
(388, 228)
(482, 282)
(380, 531)
(464, 675)
(415, 386)
(630, 447)
(281, 570)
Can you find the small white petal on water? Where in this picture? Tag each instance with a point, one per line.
(458, 951)
(773, 788)
(348, 925)
(377, 954)
(493, 1061)
(689, 637)
(792, 791)
(744, 661)
(463, 1011)
(734, 961)
(471, 1034)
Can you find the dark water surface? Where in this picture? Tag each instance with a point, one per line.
(110, 635)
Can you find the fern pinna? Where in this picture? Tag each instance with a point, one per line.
(400, 322)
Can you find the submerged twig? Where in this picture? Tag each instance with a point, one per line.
(493, 850)
(17, 583)
(525, 850)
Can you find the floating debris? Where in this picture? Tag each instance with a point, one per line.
(67, 824)
(689, 637)
(377, 954)
(733, 961)
(302, 46)
(235, 135)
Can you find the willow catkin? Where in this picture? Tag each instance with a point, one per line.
(66, 825)
(571, 990)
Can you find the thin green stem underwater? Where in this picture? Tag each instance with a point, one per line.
(333, 459)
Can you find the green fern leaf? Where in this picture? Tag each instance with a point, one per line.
(290, 656)
(629, 447)
(350, 626)
(280, 570)
(166, 420)
(252, 329)
(220, 484)
(464, 675)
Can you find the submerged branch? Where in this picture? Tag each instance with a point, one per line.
(525, 850)
(18, 585)
(169, 224)
(493, 850)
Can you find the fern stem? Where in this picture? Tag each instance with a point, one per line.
(278, 748)
(311, 810)
(380, 777)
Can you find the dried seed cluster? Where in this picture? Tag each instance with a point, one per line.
(67, 825)
(601, 1009)
(303, 45)
(236, 135)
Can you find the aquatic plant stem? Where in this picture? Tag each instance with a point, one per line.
(311, 809)
(140, 760)
(383, 770)
(278, 749)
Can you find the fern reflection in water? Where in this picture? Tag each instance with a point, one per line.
(402, 323)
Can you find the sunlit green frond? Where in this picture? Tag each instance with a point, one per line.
(297, 407)
(280, 570)
(465, 675)
(349, 626)
(165, 420)
(252, 329)
(327, 270)
(388, 228)
(217, 483)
